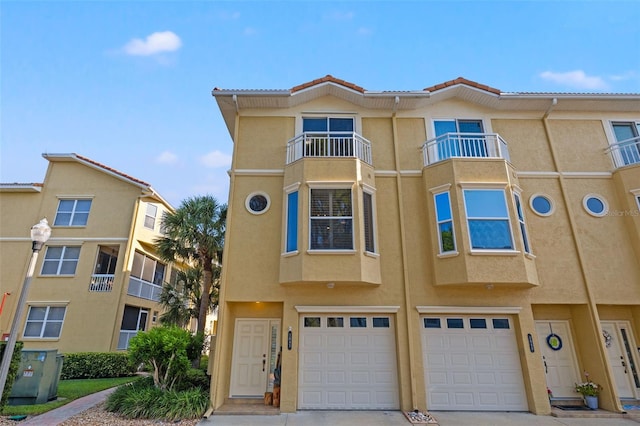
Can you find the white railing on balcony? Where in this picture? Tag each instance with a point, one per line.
(125, 336)
(102, 283)
(626, 152)
(334, 144)
(464, 145)
(144, 289)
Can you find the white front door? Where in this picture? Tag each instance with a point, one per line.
(252, 355)
(559, 357)
(619, 342)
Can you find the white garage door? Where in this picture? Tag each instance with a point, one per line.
(347, 362)
(472, 363)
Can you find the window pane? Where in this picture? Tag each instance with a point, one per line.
(455, 323)
(381, 322)
(490, 234)
(335, 322)
(478, 323)
(56, 313)
(68, 267)
(446, 237)
(341, 202)
(595, 205)
(624, 131)
(53, 253)
(37, 313)
(136, 267)
(148, 269)
(470, 126)
(485, 203)
(292, 221)
(443, 206)
(83, 206)
(442, 127)
(320, 204)
(541, 205)
(158, 276)
(314, 124)
(358, 322)
(341, 124)
(62, 219)
(432, 323)
(72, 253)
(50, 267)
(80, 219)
(33, 329)
(500, 323)
(130, 318)
(52, 329)
(312, 321)
(368, 222)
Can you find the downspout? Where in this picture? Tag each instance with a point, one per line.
(403, 245)
(574, 230)
(216, 383)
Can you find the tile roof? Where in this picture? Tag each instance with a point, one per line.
(112, 170)
(327, 79)
(462, 80)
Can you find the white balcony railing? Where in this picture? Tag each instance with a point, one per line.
(102, 283)
(464, 145)
(334, 144)
(144, 289)
(125, 336)
(626, 152)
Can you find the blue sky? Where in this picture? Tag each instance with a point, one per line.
(128, 84)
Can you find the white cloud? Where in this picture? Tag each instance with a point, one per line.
(167, 157)
(216, 159)
(165, 41)
(576, 79)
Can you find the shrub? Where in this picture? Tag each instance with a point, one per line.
(142, 400)
(165, 348)
(194, 378)
(13, 370)
(96, 365)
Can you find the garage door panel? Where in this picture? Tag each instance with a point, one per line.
(357, 365)
(472, 368)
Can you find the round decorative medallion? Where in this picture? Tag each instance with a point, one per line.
(554, 341)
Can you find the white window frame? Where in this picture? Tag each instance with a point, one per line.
(613, 139)
(60, 260)
(295, 187)
(150, 217)
(552, 204)
(331, 186)
(503, 189)
(44, 321)
(598, 197)
(73, 212)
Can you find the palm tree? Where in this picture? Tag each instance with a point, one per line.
(181, 299)
(194, 234)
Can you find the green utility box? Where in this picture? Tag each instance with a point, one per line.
(38, 377)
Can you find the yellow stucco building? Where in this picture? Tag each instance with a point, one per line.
(97, 281)
(451, 248)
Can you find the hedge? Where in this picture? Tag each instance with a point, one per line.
(13, 370)
(96, 365)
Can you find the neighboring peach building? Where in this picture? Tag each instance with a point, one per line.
(451, 248)
(97, 280)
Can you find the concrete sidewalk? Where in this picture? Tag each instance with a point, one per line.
(391, 418)
(60, 414)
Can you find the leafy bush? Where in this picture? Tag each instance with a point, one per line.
(13, 370)
(96, 365)
(194, 378)
(165, 348)
(142, 400)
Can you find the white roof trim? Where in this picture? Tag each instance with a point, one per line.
(347, 309)
(461, 310)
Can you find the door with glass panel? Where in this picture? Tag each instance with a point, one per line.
(460, 138)
(618, 340)
(628, 142)
(328, 136)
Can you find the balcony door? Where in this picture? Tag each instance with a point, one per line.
(134, 319)
(328, 136)
(461, 141)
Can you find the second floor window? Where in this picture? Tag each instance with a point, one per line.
(488, 219)
(44, 322)
(331, 220)
(461, 141)
(150, 216)
(72, 213)
(61, 260)
(147, 269)
(444, 221)
(369, 240)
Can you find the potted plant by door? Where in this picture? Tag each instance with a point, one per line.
(590, 391)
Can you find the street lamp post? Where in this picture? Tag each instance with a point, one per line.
(40, 233)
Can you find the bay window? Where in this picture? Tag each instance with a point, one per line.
(331, 219)
(488, 219)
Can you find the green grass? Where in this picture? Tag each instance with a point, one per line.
(68, 390)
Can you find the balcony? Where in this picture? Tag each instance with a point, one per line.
(464, 145)
(101, 283)
(144, 289)
(625, 153)
(329, 145)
